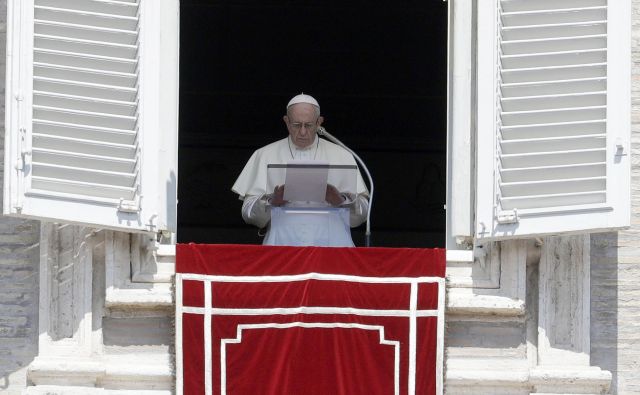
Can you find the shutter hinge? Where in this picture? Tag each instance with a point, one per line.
(22, 160)
(620, 151)
(129, 206)
(20, 163)
(151, 226)
(508, 217)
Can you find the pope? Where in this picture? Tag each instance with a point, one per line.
(302, 120)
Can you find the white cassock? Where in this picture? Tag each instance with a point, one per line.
(252, 183)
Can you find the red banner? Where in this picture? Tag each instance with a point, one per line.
(312, 320)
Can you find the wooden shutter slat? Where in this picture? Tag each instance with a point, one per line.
(557, 87)
(69, 59)
(542, 7)
(104, 7)
(82, 188)
(558, 143)
(557, 101)
(57, 34)
(537, 117)
(553, 158)
(83, 117)
(67, 73)
(546, 45)
(84, 46)
(74, 59)
(554, 30)
(88, 147)
(114, 117)
(546, 59)
(74, 159)
(542, 173)
(549, 187)
(85, 103)
(553, 16)
(86, 18)
(73, 71)
(552, 129)
(48, 170)
(552, 73)
(559, 200)
(82, 9)
(85, 89)
(118, 136)
(515, 6)
(85, 32)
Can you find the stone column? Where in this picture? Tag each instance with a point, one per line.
(564, 321)
(67, 336)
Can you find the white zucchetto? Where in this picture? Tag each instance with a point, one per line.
(302, 98)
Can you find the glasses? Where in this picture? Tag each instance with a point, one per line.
(299, 125)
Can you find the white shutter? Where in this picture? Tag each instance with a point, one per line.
(90, 129)
(553, 116)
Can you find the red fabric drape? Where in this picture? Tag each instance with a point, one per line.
(313, 320)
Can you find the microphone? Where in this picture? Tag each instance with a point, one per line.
(323, 132)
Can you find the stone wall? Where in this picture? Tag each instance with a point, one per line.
(19, 258)
(615, 267)
(18, 301)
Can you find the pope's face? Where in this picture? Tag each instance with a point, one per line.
(302, 124)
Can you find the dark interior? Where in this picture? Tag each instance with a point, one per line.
(378, 70)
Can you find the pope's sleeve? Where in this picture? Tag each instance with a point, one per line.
(255, 211)
(254, 207)
(358, 208)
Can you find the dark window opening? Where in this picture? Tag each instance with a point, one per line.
(378, 70)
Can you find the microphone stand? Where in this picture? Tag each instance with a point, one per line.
(367, 235)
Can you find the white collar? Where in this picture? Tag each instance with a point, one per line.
(294, 147)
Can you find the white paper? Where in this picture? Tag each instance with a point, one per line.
(306, 183)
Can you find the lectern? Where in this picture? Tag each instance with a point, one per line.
(306, 219)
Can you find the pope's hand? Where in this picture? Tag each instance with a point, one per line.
(333, 196)
(278, 196)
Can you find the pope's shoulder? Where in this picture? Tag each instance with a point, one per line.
(269, 148)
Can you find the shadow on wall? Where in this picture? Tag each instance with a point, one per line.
(604, 304)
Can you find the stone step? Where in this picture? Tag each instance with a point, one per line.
(127, 372)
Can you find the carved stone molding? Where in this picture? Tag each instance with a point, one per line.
(531, 333)
(492, 285)
(564, 302)
(570, 380)
(151, 262)
(69, 335)
(140, 374)
(484, 272)
(77, 265)
(138, 275)
(65, 290)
